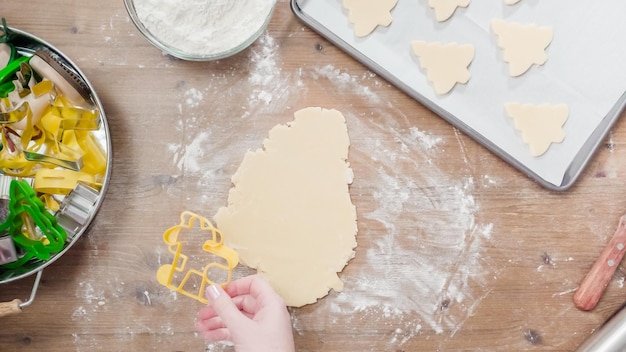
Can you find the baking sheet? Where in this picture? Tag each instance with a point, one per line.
(586, 69)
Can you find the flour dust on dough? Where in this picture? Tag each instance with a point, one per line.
(445, 64)
(289, 212)
(366, 15)
(444, 9)
(540, 125)
(523, 45)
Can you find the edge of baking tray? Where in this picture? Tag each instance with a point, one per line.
(105, 182)
(572, 173)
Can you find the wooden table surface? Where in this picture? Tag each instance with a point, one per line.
(457, 250)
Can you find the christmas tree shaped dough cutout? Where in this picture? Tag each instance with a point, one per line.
(289, 212)
(445, 65)
(366, 15)
(444, 9)
(523, 45)
(541, 125)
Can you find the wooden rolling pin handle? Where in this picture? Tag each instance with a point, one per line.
(593, 285)
(10, 308)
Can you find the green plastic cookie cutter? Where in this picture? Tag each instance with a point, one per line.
(9, 70)
(26, 212)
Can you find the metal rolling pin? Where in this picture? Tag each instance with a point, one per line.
(610, 338)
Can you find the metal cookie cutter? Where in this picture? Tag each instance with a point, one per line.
(76, 209)
(8, 253)
(213, 245)
(5, 185)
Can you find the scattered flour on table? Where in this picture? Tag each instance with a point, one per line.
(344, 80)
(193, 97)
(218, 347)
(423, 138)
(269, 85)
(430, 229)
(91, 294)
(188, 156)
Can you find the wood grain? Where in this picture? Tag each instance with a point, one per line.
(457, 250)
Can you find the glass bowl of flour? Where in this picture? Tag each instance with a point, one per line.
(200, 30)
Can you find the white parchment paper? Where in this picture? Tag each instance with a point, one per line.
(586, 66)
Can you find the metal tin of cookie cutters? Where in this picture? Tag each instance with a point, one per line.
(213, 245)
(76, 209)
(26, 44)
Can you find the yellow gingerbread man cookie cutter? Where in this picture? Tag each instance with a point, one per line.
(214, 245)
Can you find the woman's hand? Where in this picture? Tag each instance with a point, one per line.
(250, 314)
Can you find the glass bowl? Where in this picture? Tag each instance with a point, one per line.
(181, 54)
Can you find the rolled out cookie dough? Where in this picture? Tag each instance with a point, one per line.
(540, 125)
(445, 64)
(522, 45)
(366, 15)
(289, 212)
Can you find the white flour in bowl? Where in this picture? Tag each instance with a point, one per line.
(203, 27)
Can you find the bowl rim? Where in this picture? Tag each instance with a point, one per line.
(173, 51)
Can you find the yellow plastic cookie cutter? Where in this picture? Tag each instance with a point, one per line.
(94, 157)
(60, 181)
(214, 245)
